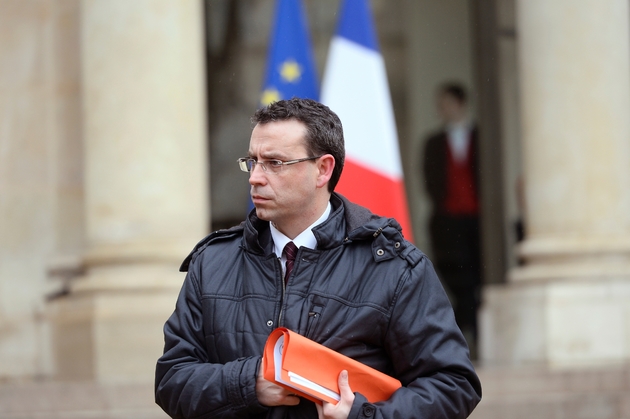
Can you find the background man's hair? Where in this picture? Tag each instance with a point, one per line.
(324, 132)
(457, 90)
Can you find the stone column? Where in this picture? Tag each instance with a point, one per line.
(146, 183)
(570, 303)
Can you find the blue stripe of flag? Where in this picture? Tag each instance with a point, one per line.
(355, 24)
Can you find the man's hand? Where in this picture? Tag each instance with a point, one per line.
(270, 394)
(340, 410)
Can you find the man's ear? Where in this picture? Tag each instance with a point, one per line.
(325, 165)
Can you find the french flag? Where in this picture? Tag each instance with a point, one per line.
(355, 88)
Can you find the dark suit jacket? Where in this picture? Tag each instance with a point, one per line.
(435, 161)
(454, 239)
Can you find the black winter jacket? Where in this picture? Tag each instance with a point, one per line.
(365, 292)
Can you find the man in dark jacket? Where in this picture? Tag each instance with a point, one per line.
(356, 286)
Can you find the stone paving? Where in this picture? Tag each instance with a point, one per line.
(508, 393)
(78, 400)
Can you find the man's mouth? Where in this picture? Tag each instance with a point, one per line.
(258, 198)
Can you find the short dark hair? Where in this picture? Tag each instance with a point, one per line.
(454, 89)
(324, 132)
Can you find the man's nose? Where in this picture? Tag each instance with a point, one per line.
(257, 175)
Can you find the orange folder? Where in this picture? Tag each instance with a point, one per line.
(311, 370)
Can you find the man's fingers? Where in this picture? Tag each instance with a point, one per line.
(344, 385)
(342, 408)
(291, 400)
(320, 411)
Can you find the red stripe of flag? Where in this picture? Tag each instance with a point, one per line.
(381, 194)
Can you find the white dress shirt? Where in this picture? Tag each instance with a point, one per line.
(458, 135)
(304, 239)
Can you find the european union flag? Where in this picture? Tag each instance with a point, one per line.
(291, 70)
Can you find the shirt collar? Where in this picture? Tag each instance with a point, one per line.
(459, 139)
(304, 239)
(464, 124)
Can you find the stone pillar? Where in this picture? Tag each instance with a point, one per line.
(146, 183)
(570, 303)
(28, 127)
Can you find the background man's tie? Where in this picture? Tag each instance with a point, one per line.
(290, 250)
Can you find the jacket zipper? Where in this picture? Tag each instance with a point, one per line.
(282, 297)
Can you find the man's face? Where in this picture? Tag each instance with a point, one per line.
(450, 108)
(286, 198)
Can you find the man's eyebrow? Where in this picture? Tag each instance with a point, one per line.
(267, 156)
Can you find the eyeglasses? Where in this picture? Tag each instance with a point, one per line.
(248, 164)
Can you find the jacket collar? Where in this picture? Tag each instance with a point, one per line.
(347, 221)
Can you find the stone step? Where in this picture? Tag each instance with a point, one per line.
(519, 393)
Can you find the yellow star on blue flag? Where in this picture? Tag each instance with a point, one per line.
(290, 71)
(269, 96)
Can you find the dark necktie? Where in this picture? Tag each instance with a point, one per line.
(290, 250)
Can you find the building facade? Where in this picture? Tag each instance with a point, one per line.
(121, 124)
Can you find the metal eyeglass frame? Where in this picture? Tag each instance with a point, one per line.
(247, 164)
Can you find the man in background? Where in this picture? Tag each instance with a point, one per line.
(451, 174)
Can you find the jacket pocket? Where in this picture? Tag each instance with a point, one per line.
(314, 314)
